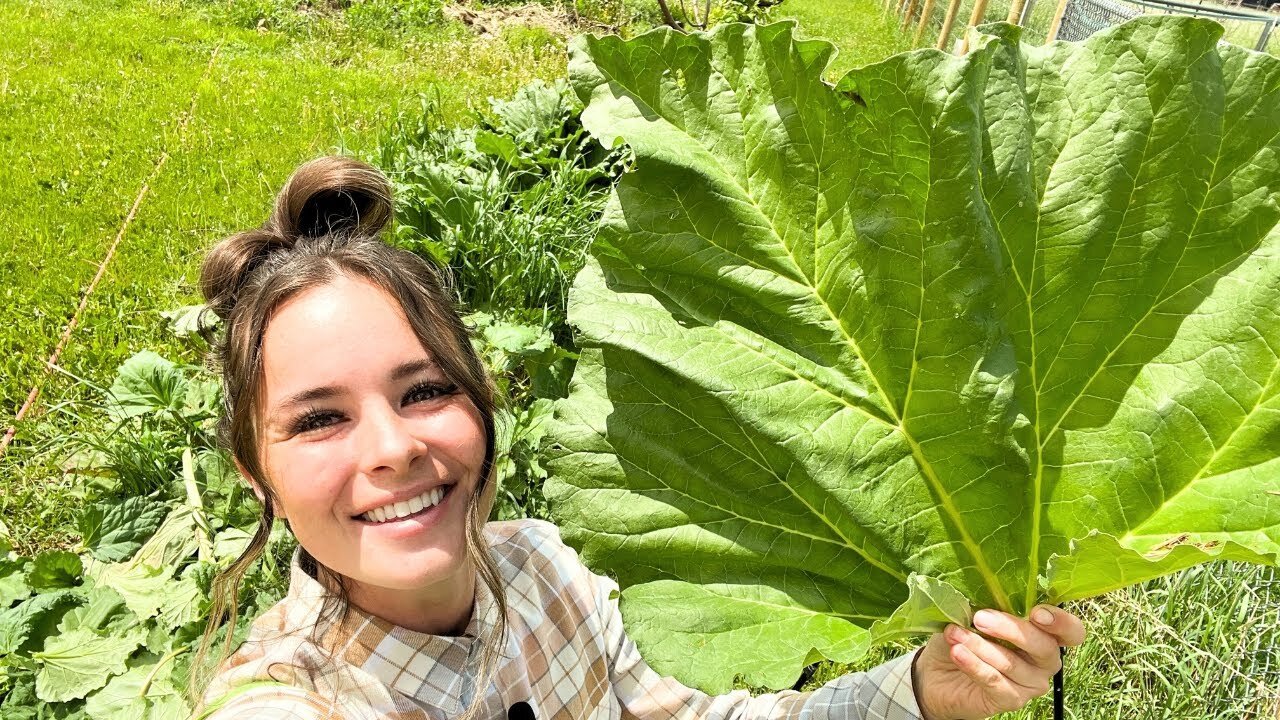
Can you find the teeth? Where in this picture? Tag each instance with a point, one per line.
(398, 510)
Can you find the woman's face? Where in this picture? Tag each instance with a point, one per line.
(360, 426)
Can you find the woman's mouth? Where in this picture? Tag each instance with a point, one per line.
(408, 509)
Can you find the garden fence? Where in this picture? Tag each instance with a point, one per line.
(1263, 659)
(1082, 18)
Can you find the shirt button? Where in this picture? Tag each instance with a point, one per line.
(520, 711)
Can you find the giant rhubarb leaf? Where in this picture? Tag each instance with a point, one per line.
(986, 330)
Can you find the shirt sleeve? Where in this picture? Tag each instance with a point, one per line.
(883, 693)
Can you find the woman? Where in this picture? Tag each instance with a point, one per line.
(359, 413)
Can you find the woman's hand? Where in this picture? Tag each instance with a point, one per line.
(960, 675)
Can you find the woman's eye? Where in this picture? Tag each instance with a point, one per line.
(314, 420)
(427, 391)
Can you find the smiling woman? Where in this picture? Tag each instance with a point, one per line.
(373, 448)
(358, 411)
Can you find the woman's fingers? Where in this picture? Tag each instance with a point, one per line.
(1066, 627)
(1040, 647)
(1008, 663)
(1001, 690)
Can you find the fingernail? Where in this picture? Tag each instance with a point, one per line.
(984, 618)
(1042, 616)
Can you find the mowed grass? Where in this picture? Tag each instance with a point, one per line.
(94, 94)
(862, 32)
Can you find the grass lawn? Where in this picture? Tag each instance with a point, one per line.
(93, 95)
(859, 28)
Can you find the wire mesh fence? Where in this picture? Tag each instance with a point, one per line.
(1081, 18)
(1263, 661)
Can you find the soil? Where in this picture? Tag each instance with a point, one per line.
(489, 22)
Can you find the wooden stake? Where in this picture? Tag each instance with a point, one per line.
(924, 20)
(952, 10)
(979, 11)
(1015, 12)
(1057, 21)
(906, 18)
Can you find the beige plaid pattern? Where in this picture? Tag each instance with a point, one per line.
(566, 655)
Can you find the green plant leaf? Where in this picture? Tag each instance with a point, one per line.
(147, 383)
(54, 569)
(113, 531)
(930, 605)
(75, 664)
(142, 586)
(103, 609)
(13, 581)
(940, 320)
(145, 692)
(25, 626)
(190, 319)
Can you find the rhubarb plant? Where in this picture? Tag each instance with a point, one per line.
(953, 332)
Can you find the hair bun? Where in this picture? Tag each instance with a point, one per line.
(332, 195)
(325, 197)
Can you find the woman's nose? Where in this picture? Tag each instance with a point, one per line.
(387, 441)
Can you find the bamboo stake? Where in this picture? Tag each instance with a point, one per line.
(952, 10)
(979, 10)
(906, 18)
(924, 20)
(1057, 21)
(1015, 12)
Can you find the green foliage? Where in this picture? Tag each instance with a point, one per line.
(509, 206)
(953, 322)
(107, 633)
(113, 531)
(384, 19)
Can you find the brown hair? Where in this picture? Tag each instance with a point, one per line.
(327, 223)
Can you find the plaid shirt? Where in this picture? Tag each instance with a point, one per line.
(566, 655)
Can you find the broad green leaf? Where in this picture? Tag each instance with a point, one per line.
(229, 544)
(25, 626)
(173, 542)
(113, 531)
(142, 586)
(13, 581)
(930, 604)
(147, 383)
(103, 609)
(939, 320)
(145, 692)
(181, 604)
(54, 569)
(75, 664)
(190, 319)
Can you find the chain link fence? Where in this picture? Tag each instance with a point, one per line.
(1264, 657)
(1082, 18)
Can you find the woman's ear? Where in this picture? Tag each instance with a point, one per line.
(258, 492)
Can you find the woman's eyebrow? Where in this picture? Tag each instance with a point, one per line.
(414, 367)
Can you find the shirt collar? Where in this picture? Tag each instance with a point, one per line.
(438, 669)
